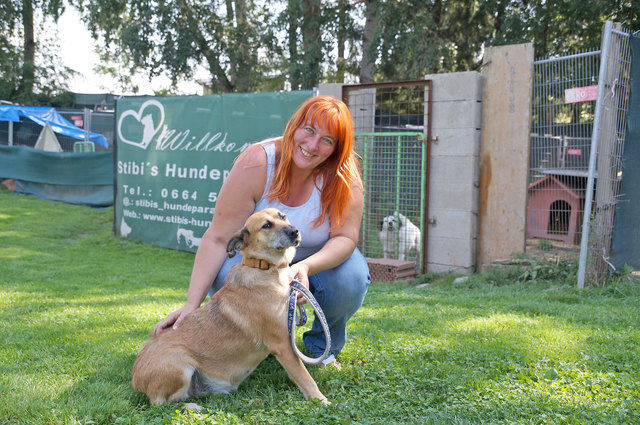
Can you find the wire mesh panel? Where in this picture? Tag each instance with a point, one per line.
(610, 125)
(100, 122)
(394, 176)
(26, 132)
(564, 94)
(392, 125)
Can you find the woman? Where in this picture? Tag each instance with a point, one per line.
(310, 174)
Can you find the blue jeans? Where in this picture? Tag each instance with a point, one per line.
(339, 292)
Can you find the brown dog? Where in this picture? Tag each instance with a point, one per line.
(221, 343)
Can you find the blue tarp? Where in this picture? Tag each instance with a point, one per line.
(45, 114)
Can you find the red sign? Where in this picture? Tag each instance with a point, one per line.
(574, 151)
(77, 120)
(580, 94)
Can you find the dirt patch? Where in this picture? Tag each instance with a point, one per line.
(544, 249)
(9, 184)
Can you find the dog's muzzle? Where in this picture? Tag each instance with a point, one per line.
(289, 236)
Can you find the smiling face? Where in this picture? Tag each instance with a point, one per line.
(312, 145)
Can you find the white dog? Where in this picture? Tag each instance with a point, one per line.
(399, 228)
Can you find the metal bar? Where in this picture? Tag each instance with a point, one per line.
(392, 134)
(10, 133)
(426, 154)
(564, 58)
(622, 33)
(397, 200)
(387, 85)
(593, 155)
(423, 215)
(365, 181)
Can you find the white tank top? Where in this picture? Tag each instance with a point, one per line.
(313, 239)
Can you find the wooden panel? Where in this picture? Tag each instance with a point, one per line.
(504, 151)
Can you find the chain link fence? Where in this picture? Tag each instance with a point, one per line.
(26, 132)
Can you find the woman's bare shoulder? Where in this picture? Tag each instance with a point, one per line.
(253, 156)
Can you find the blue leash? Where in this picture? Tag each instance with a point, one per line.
(295, 288)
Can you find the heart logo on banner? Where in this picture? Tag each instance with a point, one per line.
(149, 128)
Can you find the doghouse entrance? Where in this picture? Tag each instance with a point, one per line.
(559, 216)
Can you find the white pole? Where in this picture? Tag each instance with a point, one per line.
(87, 124)
(593, 155)
(10, 133)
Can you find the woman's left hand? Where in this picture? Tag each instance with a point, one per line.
(300, 272)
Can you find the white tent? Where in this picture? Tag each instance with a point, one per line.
(47, 140)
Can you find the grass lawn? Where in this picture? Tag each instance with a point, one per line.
(77, 304)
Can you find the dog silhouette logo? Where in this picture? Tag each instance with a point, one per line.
(142, 125)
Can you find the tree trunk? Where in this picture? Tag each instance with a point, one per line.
(342, 18)
(218, 74)
(230, 12)
(29, 66)
(312, 43)
(294, 73)
(241, 11)
(370, 24)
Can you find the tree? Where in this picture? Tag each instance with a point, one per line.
(172, 37)
(368, 46)
(31, 71)
(256, 45)
(305, 23)
(558, 26)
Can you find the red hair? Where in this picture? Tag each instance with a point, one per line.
(339, 172)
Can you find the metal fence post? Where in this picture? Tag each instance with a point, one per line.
(586, 222)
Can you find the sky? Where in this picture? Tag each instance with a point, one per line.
(77, 52)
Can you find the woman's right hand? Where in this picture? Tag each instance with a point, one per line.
(174, 319)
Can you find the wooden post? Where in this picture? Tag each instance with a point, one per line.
(504, 151)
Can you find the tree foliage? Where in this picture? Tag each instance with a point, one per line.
(172, 37)
(259, 45)
(30, 70)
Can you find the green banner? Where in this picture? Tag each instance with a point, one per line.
(173, 154)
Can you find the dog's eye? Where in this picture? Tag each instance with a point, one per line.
(267, 225)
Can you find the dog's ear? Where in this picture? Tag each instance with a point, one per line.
(382, 225)
(238, 241)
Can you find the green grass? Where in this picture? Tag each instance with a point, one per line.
(76, 305)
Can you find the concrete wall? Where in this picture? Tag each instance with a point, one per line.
(331, 89)
(479, 163)
(454, 171)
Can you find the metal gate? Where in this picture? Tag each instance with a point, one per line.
(605, 160)
(564, 95)
(393, 123)
(577, 138)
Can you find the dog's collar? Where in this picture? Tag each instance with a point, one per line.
(258, 263)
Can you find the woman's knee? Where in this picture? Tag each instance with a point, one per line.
(352, 275)
(343, 288)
